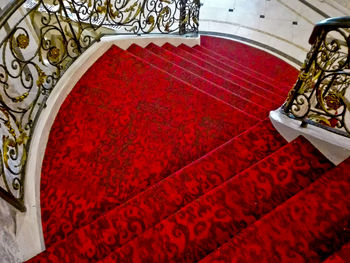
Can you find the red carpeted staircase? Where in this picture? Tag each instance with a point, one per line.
(166, 154)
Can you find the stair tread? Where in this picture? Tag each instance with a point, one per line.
(204, 224)
(241, 67)
(238, 69)
(199, 82)
(303, 229)
(154, 130)
(245, 80)
(174, 192)
(219, 71)
(227, 84)
(259, 60)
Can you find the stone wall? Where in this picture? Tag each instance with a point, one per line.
(9, 251)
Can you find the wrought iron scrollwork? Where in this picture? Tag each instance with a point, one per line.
(321, 95)
(162, 16)
(42, 41)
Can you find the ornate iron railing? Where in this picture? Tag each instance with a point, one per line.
(40, 39)
(321, 95)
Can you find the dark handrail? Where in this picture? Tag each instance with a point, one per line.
(321, 95)
(8, 11)
(328, 25)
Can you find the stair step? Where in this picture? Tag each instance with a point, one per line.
(259, 60)
(199, 82)
(342, 255)
(240, 78)
(222, 72)
(238, 70)
(166, 154)
(303, 229)
(165, 198)
(209, 75)
(237, 67)
(211, 220)
(130, 134)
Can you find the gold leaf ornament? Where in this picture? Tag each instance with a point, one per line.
(10, 129)
(7, 143)
(194, 19)
(54, 53)
(22, 138)
(101, 9)
(320, 119)
(22, 41)
(303, 76)
(41, 76)
(21, 98)
(150, 20)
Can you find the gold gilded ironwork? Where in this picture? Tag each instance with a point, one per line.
(21, 98)
(54, 54)
(303, 76)
(41, 76)
(333, 101)
(22, 41)
(321, 94)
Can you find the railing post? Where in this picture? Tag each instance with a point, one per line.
(304, 71)
(321, 94)
(17, 203)
(182, 26)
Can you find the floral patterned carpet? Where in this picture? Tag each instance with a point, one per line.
(166, 154)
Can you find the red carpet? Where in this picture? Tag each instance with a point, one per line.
(341, 256)
(166, 154)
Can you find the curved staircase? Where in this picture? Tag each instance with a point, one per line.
(166, 154)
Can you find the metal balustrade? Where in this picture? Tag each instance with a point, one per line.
(321, 95)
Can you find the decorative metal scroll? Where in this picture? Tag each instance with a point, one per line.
(321, 96)
(40, 39)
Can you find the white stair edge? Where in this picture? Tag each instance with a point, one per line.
(29, 231)
(334, 147)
